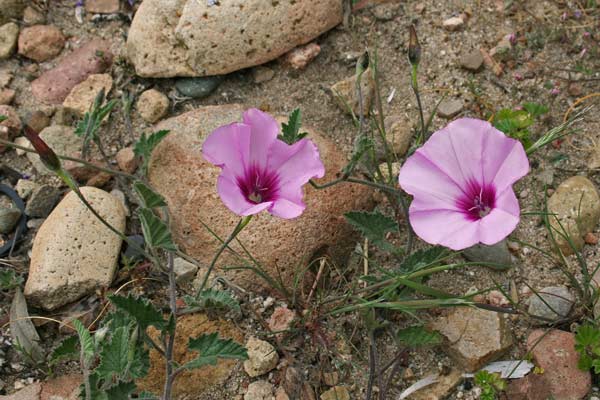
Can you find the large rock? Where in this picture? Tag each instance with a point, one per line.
(73, 253)
(41, 42)
(55, 85)
(576, 205)
(8, 39)
(83, 95)
(195, 38)
(284, 247)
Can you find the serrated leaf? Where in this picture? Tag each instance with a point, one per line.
(290, 131)
(586, 335)
(114, 355)
(211, 348)
(66, 350)
(374, 226)
(418, 336)
(150, 199)
(144, 147)
(213, 299)
(85, 341)
(535, 110)
(421, 259)
(141, 310)
(156, 232)
(121, 391)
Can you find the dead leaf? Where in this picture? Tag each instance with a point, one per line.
(22, 330)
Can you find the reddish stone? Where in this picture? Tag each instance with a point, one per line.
(281, 319)
(102, 6)
(299, 57)
(590, 238)
(127, 160)
(7, 96)
(65, 387)
(531, 387)
(41, 42)
(55, 85)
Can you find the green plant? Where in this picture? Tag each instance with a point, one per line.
(516, 123)
(9, 279)
(490, 384)
(587, 344)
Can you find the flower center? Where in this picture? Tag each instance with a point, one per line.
(258, 185)
(478, 201)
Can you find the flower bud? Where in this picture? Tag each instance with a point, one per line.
(47, 155)
(414, 48)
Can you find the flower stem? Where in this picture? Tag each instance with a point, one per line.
(241, 225)
(171, 343)
(415, 87)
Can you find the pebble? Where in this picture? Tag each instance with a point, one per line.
(399, 134)
(184, 270)
(301, 56)
(331, 378)
(259, 390)
(83, 95)
(22, 141)
(575, 89)
(497, 298)
(559, 301)
(127, 160)
(472, 61)
(449, 108)
(385, 12)
(281, 319)
(545, 176)
(262, 74)
(453, 23)
(336, 393)
(280, 394)
(7, 96)
(8, 219)
(102, 6)
(41, 42)
(262, 357)
(152, 105)
(590, 238)
(5, 77)
(346, 96)
(198, 88)
(441, 389)
(25, 187)
(42, 201)
(10, 127)
(31, 16)
(475, 337)
(497, 253)
(8, 39)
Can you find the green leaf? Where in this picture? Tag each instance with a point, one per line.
(422, 258)
(142, 311)
(3, 118)
(374, 226)
(535, 110)
(213, 299)
(149, 197)
(418, 336)
(85, 341)
(121, 391)
(586, 335)
(361, 146)
(156, 232)
(290, 131)
(144, 147)
(66, 350)
(211, 348)
(113, 356)
(9, 279)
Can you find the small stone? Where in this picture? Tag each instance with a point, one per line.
(280, 394)
(472, 61)
(37, 120)
(82, 96)
(346, 96)
(198, 88)
(497, 298)
(184, 270)
(42, 201)
(331, 378)
(5, 77)
(7, 96)
(453, 23)
(475, 337)
(22, 141)
(502, 51)
(575, 207)
(35, 223)
(127, 160)
(24, 187)
(545, 176)
(575, 89)
(336, 393)
(497, 254)
(31, 16)
(102, 6)
(9, 34)
(262, 357)
(301, 56)
(450, 108)
(259, 390)
(399, 135)
(590, 238)
(152, 105)
(8, 219)
(41, 42)
(385, 12)
(441, 389)
(262, 74)
(551, 303)
(10, 127)
(281, 319)
(386, 173)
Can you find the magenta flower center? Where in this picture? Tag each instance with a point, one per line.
(258, 185)
(478, 200)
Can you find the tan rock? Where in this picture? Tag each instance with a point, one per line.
(102, 6)
(301, 56)
(31, 16)
(180, 173)
(152, 105)
(31, 392)
(475, 337)
(66, 387)
(262, 357)
(82, 96)
(259, 390)
(346, 95)
(336, 393)
(7, 96)
(10, 127)
(41, 42)
(166, 38)
(441, 389)
(8, 39)
(73, 253)
(127, 160)
(576, 204)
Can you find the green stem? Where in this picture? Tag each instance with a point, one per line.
(241, 225)
(415, 86)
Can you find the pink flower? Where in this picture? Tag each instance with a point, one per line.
(258, 171)
(461, 182)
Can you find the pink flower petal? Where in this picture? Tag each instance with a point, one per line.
(229, 145)
(287, 209)
(447, 228)
(264, 130)
(296, 163)
(234, 199)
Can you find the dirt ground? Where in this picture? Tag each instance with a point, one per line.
(550, 39)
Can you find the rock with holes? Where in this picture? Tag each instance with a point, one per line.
(200, 38)
(283, 247)
(262, 357)
(73, 252)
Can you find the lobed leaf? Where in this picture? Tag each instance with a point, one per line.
(156, 232)
(149, 197)
(213, 299)
(144, 313)
(211, 348)
(374, 226)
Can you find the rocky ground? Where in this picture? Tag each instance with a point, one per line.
(477, 58)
